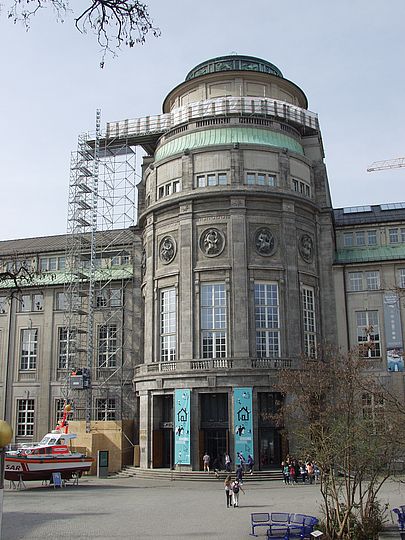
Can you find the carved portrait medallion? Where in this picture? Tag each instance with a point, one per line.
(167, 249)
(306, 248)
(212, 242)
(265, 242)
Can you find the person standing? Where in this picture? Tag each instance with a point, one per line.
(239, 474)
(250, 463)
(228, 491)
(206, 461)
(236, 487)
(227, 462)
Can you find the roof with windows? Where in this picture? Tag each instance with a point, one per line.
(233, 62)
(365, 214)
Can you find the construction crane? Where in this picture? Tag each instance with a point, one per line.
(387, 164)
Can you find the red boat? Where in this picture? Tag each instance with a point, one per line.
(52, 455)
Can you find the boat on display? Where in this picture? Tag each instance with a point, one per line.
(53, 454)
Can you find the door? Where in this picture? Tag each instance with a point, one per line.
(157, 442)
(269, 448)
(215, 443)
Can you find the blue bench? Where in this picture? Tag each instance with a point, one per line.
(283, 525)
(400, 517)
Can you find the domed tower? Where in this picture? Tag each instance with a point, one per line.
(236, 216)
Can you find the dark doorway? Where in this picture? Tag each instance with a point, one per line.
(270, 449)
(214, 426)
(163, 436)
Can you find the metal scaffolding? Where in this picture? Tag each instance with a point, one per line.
(99, 267)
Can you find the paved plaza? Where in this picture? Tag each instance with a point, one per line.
(134, 508)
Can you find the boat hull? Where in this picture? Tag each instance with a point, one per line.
(41, 468)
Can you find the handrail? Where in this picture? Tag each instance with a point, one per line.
(209, 108)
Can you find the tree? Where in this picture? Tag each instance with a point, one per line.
(340, 415)
(114, 22)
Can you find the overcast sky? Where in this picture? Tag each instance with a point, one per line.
(347, 56)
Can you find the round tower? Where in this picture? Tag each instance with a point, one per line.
(237, 253)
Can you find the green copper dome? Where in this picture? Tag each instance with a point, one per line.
(233, 62)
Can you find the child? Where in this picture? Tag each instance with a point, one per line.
(235, 492)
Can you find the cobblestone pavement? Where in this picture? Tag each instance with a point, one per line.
(132, 508)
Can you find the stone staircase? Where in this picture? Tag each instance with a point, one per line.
(196, 476)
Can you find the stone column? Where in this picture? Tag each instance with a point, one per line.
(145, 432)
(186, 296)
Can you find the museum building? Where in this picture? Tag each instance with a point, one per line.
(238, 267)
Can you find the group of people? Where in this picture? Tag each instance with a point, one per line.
(244, 465)
(232, 489)
(294, 470)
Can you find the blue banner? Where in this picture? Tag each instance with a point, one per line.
(182, 427)
(243, 420)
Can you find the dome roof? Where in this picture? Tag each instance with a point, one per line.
(233, 62)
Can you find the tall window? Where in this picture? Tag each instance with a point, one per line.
(105, 409)
(308, 306)
(64, 347)
(393, 236)
(168, 325)
(267, 320)
(348, 239)
(368, 333)
(373, 280)
(25, 417)
(374, 411)
(402, 278)
(107, 346)
(32, 302)
(360, 238)
(3, 304)
(29, 349)
(59, 409)
(213, 320)
(355, 281)
(372, 238)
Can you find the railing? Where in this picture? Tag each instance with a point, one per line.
(215, 364)
(211, 108)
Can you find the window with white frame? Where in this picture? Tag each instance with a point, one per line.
(121, 259)
(309, 325)
(211, 179)
(368, 333)
(261, 179)
(31, 302)
(393, 236)
(29, 349)
(402, 278)
(25, 417)
(372, 238)
(52, 264)
(3, 305)
(107, 346)
(355, 281)
(105, 409)
(267, 320)
(373, 408)
(168, 325)
(65, 345)
(61, 302)
(373, 280)
(169, 188)
(59, 409)
(108, 297)
(213, 320)
(348, 239)
(360, 238)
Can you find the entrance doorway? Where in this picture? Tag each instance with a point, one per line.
(214, 426)
(163, 439)
(269, 448)
(215, 443)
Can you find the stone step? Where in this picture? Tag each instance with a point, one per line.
(258, 476)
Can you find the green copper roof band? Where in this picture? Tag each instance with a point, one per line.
(381, 253)
(229, 135)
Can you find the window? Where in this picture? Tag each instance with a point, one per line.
(211, 179)
(295, 185)
(368, 333)
(65, 345)
(108, 298)
(267, 320)
(213, 320)
(359, 281)
(52, 264)
(373, 410)
(402, 231)
(308, 306)
(121, 259)
(360, 238)
(105, 409)
(402, 278)
(301, 187)
(29, 349)
(393, 236)
(61, 301)
(169, 188)
(168, 325)
(59, 409)
(348, 239)
(31, 302)
(3, 304)
(107, 345)
(355, 281)
(261, 179)
(373, 280)
(25, 417)
(372, 238)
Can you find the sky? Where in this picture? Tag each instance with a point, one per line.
(348, 57)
